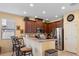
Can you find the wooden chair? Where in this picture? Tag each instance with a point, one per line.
(14, 43)
(26, 51)
(16, 46)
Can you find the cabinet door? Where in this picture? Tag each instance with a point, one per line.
(27, 26)
(30, 26)
(50, 27)
(46, 27)
(33, 26)
(59, 23)
(39, 24)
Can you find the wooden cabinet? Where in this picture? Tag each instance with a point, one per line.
(31, 26)
(59, 23)
(45, 27)
(54, 25)
(28, 26)
(50, 27)
(39, 24)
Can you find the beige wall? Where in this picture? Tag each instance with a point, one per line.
(18, 19)
(6, 44)
(76, 22)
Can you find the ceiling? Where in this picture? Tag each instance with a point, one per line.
(50, 11)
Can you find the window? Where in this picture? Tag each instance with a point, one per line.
(8, 28)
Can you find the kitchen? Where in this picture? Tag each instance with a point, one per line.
(39, 35)
(41, 41)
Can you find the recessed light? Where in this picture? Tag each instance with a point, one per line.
(44, 12)
(31, 5)
(63, 7)
(46, 19)
(36, 16)
(25, 12)
(56, 16)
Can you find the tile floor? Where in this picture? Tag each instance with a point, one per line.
(60, 53)
(65, 53)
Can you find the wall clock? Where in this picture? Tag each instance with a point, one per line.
(70, 17)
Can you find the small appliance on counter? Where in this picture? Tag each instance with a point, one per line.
(40, 34)
(49, 36)
(37, 35)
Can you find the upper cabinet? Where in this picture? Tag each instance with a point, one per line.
(31, 26)
(28, 26)
(50, 26)
(53, 25)
(45, 27)
(39, 23)
(59, 23)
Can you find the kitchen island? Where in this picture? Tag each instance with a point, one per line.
(40, 45)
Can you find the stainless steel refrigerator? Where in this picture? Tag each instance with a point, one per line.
(59, 44)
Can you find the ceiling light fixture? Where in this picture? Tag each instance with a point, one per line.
(46, 19)
(35, 16)
(31, 5)
(63, 7)
(44, 12)
(25, 12)
(56, 16)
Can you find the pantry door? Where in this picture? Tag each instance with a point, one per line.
(70, 37)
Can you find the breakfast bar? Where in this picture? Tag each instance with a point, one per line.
(40, 45)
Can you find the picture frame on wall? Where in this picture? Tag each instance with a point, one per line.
(18, 27)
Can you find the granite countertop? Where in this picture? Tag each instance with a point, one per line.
(42, 40)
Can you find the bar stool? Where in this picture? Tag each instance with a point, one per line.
(51, 52)
(26, 51)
